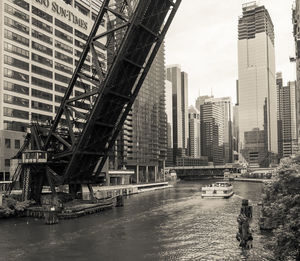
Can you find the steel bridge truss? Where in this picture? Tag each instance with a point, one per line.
(108, 76)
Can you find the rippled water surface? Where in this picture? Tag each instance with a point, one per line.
(170, 224)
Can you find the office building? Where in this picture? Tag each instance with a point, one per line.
(296, 32)
(142, 143)
(257, 101)
(180, 109)
(40, 45)
(212, 132)
(235, 132)
(169, 111)
(200, 101)
(287, 125)
(194, 144)
(184, 109)
(218, 112)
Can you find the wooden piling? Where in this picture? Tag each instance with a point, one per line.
(244, 236)
(51, 216)
(120, 201)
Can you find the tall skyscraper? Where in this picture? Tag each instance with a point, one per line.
(212, 132)
(226, 106)
(169, 111)
(169, 108)
(184, 108)
(235, 132)
(180, 109)
(287, 125)
(256, 86)
(194, 144)
(40, 45)
(296, 27)
(142, 143)
(221, 113)
(200, 101)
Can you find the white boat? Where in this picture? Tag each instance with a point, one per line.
(218, 190)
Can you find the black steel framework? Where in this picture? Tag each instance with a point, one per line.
(87, 123)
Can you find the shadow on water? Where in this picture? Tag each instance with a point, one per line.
(170, 224)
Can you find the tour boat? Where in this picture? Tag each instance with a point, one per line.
(218, 190)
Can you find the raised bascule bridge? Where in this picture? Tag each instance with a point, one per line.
(74, 147)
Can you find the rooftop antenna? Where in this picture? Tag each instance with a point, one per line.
(211, 92)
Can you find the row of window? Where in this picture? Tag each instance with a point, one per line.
(15, 125)
(7, 144)
(20, 3)
(41, 59)
(40, 13)
(16, 25)
(25, 29)
(16, 63)
(42, 25)
(35, 69)
(21, 126)
(16, 100)
(20, 39)
(41, 48)
(15, 12)
(4, 176)
(16, 50)
(13, 87)
(16, 113)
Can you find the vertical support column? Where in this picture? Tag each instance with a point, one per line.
(107, 177)
(147, 174)
(164, 174)
(137, 174)
(25, 189)
(155, 173)
(91, 191)
(106, 170)
(52, 186)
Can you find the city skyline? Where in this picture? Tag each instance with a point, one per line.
(198, 45)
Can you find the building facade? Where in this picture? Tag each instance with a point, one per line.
(212, 132)
(296, 32)
(142, 143)
(287, 124)
(216, 121)
(180, 109)
(256, 86)
(169, 111)
(200, 101)
(194, 144)
(40, 45)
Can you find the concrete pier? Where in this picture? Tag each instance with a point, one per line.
(101, 192)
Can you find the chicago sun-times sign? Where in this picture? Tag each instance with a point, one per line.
(65, 13)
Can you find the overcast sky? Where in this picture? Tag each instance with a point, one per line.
(203, 40)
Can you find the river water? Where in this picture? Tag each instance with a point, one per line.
(170, 224)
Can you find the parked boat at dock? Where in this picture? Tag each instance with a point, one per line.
(218, 190)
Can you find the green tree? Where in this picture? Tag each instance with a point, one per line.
(282, 204)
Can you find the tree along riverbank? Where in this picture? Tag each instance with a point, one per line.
(281, 210)
(11, 207)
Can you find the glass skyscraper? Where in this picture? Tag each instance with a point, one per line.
(287, 124)
(142, 143)
(179, 82)
(257, 100)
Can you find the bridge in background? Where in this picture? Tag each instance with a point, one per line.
(199, 172)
